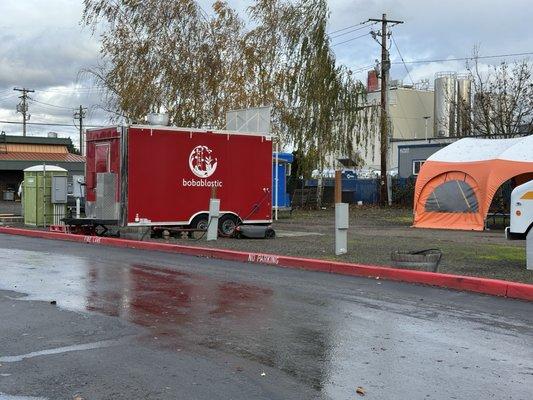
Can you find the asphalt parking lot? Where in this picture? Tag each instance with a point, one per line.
(136, 324)
(375, 233)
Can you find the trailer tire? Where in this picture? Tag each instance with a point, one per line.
(200, 222)
(227, 224)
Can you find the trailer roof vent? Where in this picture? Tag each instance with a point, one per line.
(157, 119)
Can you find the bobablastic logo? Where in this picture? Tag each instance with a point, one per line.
(203, 164)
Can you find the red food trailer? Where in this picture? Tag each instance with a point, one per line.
(158, 176)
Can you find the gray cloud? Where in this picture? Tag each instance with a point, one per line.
(436, 29)
(45, 58)
(44, 46)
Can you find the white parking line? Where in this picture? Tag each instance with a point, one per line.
(60, 350)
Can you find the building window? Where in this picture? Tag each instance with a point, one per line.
(417, 164)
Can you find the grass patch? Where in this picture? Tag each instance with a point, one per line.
(400, 219)
(503, 253)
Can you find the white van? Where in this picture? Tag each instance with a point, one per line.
(521, 212)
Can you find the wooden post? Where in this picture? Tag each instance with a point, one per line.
(338, 187)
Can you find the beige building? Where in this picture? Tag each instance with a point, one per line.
(411, 117)
(411, 113)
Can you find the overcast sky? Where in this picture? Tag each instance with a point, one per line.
(44, 47)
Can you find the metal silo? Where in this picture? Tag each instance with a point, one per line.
(464, 105)
(445, 99)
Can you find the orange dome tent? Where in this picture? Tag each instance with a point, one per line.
(456, 185)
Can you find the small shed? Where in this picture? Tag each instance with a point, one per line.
(456, 185)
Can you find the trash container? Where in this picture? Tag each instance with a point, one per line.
(428, 259)
(38, 208)
(9, 195)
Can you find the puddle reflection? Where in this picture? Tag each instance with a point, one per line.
(180, 308)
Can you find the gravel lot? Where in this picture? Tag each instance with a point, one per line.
(374, 233)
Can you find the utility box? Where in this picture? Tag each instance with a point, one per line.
(341, 228)
(342, 216)
(59, 189)
(38, 195)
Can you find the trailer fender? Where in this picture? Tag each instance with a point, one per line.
(199, 216)
(206, 212)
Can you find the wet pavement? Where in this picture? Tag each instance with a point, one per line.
(133, 324)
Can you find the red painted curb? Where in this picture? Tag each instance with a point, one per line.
(520, 291)
(493, 287)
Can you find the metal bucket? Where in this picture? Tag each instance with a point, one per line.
(427, 259)
(9, 195)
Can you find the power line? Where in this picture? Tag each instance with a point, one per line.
(452, 59)
(349, 40)
(349, 27)
(49, 124)
(52, 105)
(62, 92)
(70, 90)
(348, 32)
(361, 69)
(8, 97)
(409, 74)
(464, 58)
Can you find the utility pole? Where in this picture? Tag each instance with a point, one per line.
(79, 115)
(385, 67)
(22, 107)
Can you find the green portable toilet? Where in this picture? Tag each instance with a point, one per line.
(44, 195)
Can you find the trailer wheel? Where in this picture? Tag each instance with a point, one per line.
(227, 224)
(200, 222)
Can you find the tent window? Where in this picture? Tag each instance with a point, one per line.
(453, 196)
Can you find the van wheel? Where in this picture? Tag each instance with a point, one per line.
(227, 224)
